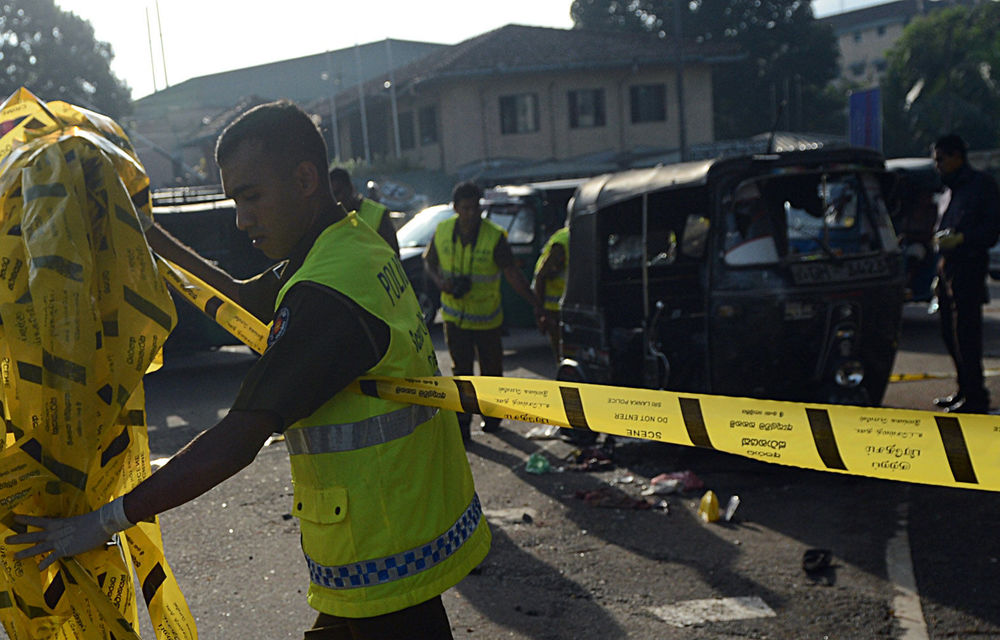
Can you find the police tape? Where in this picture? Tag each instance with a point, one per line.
(83, 316)
(934, 375)
(893, 444)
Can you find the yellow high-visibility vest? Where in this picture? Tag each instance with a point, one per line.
(556, 284)
(479, 308)
(385, 499)
(372, 212)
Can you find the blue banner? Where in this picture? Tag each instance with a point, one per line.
(866, 118)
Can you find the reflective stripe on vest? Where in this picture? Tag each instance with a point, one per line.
(399, 565)
(470, 317)
(474, 277)
(351, 436)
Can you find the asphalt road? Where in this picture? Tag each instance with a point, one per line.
(573, 558)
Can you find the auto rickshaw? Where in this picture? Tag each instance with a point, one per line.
(771, 276)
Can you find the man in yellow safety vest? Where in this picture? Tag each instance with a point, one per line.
(549, 283)
(388, 512)
(465, 260)
(372, 212)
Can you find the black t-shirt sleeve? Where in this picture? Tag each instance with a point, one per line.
(257, 295)
(320, 342)
(502, 253)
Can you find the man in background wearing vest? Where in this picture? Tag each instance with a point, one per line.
(465, 260)
(372, 212)
(387, 509)
(549, 283)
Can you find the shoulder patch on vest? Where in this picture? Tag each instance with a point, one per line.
(279, 326)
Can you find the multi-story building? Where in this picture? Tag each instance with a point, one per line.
(864, 36)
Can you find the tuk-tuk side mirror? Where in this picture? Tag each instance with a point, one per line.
(695, 236)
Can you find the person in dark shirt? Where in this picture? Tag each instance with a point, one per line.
(969, 226)
(371, 211)
(273, 164)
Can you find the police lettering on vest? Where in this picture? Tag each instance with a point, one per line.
(388, 512)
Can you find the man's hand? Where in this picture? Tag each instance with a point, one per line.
(65, 537)
(947, 239)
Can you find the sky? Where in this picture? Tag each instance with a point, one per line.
(228, 35)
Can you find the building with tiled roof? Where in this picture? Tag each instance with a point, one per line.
(530, 92)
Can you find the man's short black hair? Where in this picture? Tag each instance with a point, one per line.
(951, 144)
(286, 132)
(466, 190)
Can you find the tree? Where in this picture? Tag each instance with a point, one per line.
(944, 76)
(789, 57)
(55, 55)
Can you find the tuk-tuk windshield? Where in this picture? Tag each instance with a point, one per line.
(517, 220)
(805, 216)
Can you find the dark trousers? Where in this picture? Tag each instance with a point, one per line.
(463, 347)
(961, 294)
(426, 620)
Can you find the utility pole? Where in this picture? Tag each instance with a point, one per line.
(392, 97)
(163, 51)
(361, 100)
(679, 58)
(152, 58)
(332, 98)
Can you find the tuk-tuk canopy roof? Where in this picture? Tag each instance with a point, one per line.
(612, 188)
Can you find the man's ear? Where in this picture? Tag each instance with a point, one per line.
(307, 178)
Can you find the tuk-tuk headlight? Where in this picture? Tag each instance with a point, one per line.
(850, 374)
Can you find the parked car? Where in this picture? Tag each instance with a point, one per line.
(205, 220)
(413, 238)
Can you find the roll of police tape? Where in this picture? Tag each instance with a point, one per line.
(83, 315)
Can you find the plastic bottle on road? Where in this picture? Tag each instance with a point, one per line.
(537, 463)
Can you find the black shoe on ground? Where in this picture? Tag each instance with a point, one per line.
(947, 401)
(968, 406)
(491, 425)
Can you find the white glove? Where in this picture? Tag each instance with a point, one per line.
(70, 536)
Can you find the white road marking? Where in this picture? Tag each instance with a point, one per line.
(176, 421)
(899, 564)
(691, 612)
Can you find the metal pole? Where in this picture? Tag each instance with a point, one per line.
(163, 51)
(332, 98)
(152, 59)
(361, 100)
(392, 97)
(681, 124)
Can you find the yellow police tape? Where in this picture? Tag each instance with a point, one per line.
(934, 375)
(83, 315)
(894, 444)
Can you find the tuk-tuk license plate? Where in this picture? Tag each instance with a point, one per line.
(817, 272)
